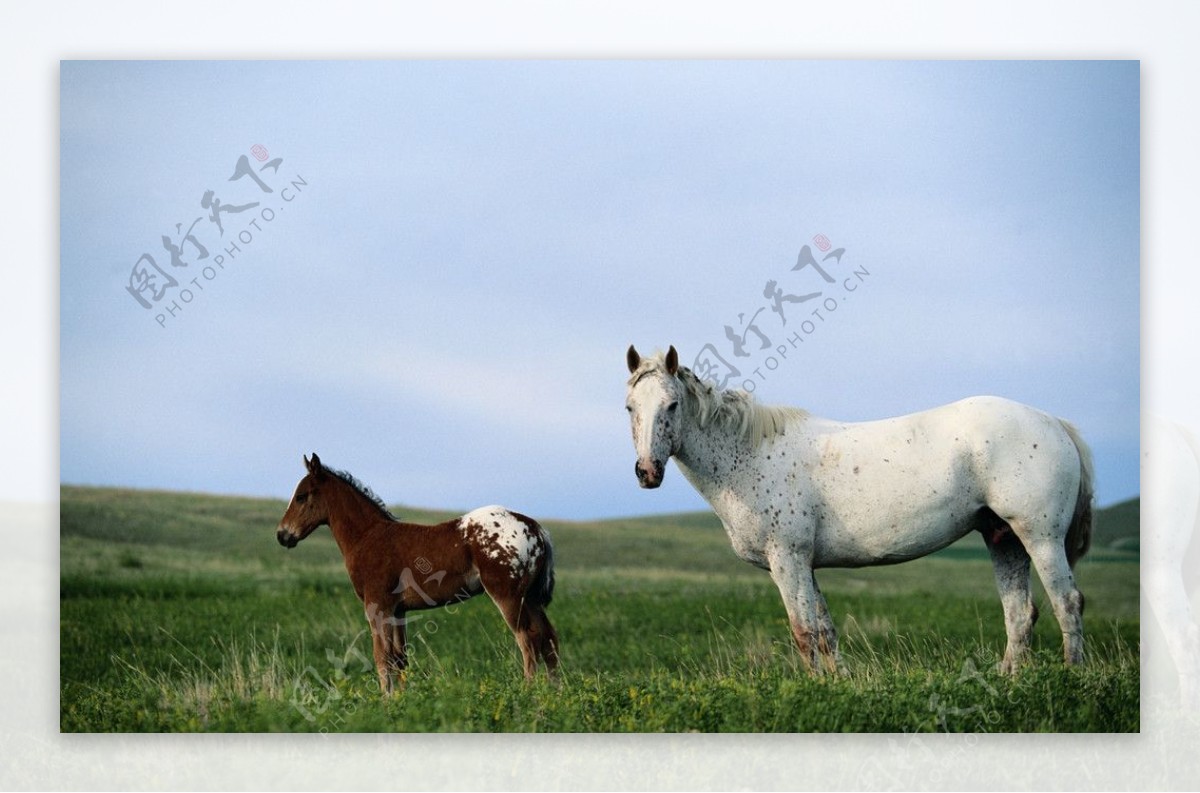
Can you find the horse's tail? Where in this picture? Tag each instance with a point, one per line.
(541, 592)
(1079, 535)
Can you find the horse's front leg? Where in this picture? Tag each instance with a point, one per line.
(398, 649)
(827, 640)
(380, 652)
(793, 575)
(384, 630)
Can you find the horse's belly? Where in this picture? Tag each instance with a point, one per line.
(419, 592)
(893, 508)
(888, 542)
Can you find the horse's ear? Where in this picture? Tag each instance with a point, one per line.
(672, 361)
(314, 465)
(632, 359)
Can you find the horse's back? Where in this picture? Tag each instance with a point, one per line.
(896, 489)
(499, 536)
(986, 431)
(1022, 454)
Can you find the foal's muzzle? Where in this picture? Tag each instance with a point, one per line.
(286, 538)
(649, 476)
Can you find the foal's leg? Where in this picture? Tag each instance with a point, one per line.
(517, 618)
(387, 642)
(379, 643)
(398, 649)
(798, 589)
(1050, 559)
(1010, 562)
(545, 638)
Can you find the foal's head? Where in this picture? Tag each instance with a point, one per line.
(308, 508)
(653, 400)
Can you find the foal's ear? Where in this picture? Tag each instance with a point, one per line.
(632, 359)
(672, 361)
(313, 465)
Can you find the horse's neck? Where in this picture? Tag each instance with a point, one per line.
(350, 518)
(711, 459)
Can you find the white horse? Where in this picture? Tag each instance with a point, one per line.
(796, 492)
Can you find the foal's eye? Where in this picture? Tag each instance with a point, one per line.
(301, 498)
(629, 408)
(671, 407)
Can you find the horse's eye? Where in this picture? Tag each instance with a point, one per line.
(301, 498)
(671, 407)
(629, 408)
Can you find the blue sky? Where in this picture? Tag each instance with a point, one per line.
(443, 306)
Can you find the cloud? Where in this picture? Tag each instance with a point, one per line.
(448, 308)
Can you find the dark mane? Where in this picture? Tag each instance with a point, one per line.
(363, 491)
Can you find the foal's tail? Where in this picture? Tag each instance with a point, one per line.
(1079, 535)
(541, 592)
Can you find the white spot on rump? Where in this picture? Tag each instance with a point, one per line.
(502, 536)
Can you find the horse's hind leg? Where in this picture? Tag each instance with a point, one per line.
(517, 617)
(545, 638)
(1010, 562)
(1050, 558)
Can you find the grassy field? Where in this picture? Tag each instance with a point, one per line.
(180, 612)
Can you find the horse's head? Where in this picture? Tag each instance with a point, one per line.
(307, 509)
(653, 400)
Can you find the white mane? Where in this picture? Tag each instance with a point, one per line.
(735, 410)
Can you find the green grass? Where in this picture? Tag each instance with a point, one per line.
(180, 612)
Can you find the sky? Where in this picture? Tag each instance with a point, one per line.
(439, 288)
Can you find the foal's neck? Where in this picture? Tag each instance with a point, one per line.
(350, 517)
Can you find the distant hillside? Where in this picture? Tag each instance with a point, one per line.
(146, 530)
(1118, 526)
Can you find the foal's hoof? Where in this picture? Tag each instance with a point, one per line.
(1009, 667)
(815, 668)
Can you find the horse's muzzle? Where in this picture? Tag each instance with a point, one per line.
(286, 539)
(650, 476)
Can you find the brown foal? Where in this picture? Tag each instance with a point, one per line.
(397, 567)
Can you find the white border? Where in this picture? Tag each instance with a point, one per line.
(1161, 35)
